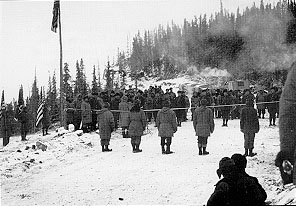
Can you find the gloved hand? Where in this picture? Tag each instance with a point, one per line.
(284, 162)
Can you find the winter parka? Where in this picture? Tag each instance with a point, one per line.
(136, 123)
(86, 116)
(106, 123)
(249, 122)
(166, 122)
(203, 121)
(123, 118)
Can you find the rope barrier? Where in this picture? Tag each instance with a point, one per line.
(182, 108)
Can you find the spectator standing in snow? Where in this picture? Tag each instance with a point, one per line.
(4, 125)
(86, 116)
(254, 193)
(167, 126)
(260, 107)
(136, 125)
(226, 99)
(106, 126)
(203, 124)
(23, 119)
(249, 125)
(286, 159)
(272, 107)
(45, 120)
(180, 103)
(123, 117)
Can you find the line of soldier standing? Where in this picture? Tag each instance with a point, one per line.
(87, 112)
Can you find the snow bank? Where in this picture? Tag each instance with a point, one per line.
(74, 171)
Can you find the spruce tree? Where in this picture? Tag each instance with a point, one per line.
(94, 83)
(2, 98)
(21, 96)
(66, 79)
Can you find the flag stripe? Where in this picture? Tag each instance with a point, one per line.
(40, 111)
(55, 12)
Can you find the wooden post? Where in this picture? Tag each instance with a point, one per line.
(61, 70)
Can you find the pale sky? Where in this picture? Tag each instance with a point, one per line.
(92, 30)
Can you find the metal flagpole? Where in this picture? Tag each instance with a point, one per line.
(61, 70)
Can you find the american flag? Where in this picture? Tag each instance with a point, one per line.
(40, 109)
(55, 12)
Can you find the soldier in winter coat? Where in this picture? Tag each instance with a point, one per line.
(45, 120)
(106, 126)
(203, 124)
(149, 105)
(5, 127)
(180, 103)
(167, 126)
(272, 107)
(123, 117)
(114, 105)
(86, 116)
(23, 119)
(157, 104)
(226, 99)
(249, 125)
(287, 127)
(194, 103)
(136, 125)
(260, 107)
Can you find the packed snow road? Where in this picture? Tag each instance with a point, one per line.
(72, 172)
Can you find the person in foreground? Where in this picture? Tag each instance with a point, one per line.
(236, 187)
(254, 189)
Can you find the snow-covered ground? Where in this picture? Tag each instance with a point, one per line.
(74, 171)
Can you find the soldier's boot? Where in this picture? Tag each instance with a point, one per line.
(246, 152)
(162, 149)
(134, 147)
(204, 151)
(168, 150)
(103, 148)
(138, 148)
(199, 151)
(251, 154)
(107, 149)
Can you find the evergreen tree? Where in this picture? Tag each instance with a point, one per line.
(2, 98)
(94, 88)
(21, 96)
(66, 80)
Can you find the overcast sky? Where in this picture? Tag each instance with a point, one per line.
(92, 30)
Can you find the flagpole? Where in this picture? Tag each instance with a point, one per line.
(61, 71)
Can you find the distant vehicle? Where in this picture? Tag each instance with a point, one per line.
(238, 85)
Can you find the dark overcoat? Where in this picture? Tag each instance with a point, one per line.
(166, 122)
(249, 122)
